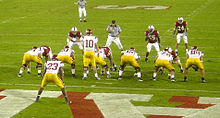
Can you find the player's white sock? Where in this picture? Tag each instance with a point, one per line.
(84, 75)
(87, 72)
(21, 71)
(108, 72)
(154, 75)
(176, 50)
(172, 76)
(186, 50)
(73, 71)
(115, 65)
(139, 74)
(29, 70)
(39, 71)
(96, 74)
(120, 72)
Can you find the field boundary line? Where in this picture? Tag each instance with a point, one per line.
(115, 88)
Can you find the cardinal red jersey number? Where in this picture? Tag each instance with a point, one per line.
(52, 66)
(89, 43)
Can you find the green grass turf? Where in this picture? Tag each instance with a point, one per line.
(28, 23)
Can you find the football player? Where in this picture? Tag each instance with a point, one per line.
(181, 28)
(163, 59)
(176, 59)
(75, 38)
(50, 75)
(32, 55)
(130, 57)
(108, 53)
(194, 58)
(99, 59)
(152, 36)
(66, 55)
(114, 32)
(82, 9)
(90, 44)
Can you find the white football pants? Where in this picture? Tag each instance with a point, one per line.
(114, 39)
(82, 10)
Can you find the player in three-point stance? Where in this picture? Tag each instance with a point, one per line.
(114, 32)
(75, 38)
(163, 59)
(90, 44)
(66, 55)
(50, 75)
(194, 58)
(33, 55)
(181, 28)
(82, 9)
(130, 57)
(152, 36)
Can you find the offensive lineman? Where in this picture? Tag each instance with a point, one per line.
(32, 55)
(74, 38)
(181, 28)
(114, 32)
(152, 36)
(194, 58)
(163, 59)
(90, 44)
(130, 57)
(82, 9)
(66, 55)
(50, 75)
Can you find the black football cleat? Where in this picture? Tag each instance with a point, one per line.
(146, 59)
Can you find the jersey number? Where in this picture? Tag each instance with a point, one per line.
(89, 43)
(52, 66)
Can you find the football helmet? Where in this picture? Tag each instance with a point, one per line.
(131, 48)
(54, 57)
(180, 19)
(151, 28)
(88, 32)
(169, 49)
(66, 47)
(194, 47)
(74, 29)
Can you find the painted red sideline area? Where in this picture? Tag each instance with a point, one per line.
(164, 116)
(190, 102)
(1, 97)
(82, 108)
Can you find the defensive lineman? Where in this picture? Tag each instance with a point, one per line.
(114, 32)
(152, 36)
(181, 28)
(82, 4)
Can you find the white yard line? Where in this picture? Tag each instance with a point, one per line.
(115, 88)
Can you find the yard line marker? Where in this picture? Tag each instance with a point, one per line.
(114, 88)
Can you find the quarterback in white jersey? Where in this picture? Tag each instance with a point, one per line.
(164, 59)
(90, 44)
(33, 55)
(194, 58)
(50, 75)
(130, 57)
(66, 55)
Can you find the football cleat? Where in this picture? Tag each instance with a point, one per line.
(28, 72)
(109, 75)
(80, 21)
(37, 99)
(119, 77)
(173, 80)
(154, 79)
(19, 75)
(203, 81)
(115, 68)
(146, 59)
(181, 71)
(97, 78)
(185, 80)
(111, 68)
(39, 75)
(140, 80)
(85, 21)
(73, 75)
(84, 78)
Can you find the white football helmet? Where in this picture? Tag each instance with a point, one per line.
(180, 19)
(151, 28)
(74, 29)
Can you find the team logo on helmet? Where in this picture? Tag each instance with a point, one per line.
(151, 28)
(74, 29)
(180, 19)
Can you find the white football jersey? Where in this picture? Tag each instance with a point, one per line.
(33, 52)
(53, 66)
(89, 43)
(65, 52)
(195, 53)
(164, 55)
(101, 53)
(131, 53)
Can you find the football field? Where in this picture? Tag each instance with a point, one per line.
(28, 23)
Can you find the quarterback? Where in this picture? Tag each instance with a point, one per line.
(152, 36)
(33, 55)
(130, 57)
(66, 55)
(194, 58)
(50, 75)
(180, 27)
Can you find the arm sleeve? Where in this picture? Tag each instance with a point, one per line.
(119, 29)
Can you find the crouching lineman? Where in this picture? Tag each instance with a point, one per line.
(90, 44)
(66, 55)
(164, 59)
(130, 57)
(99, 59)
(74, 37)
(32, 55)
(108, 53)
(50, 75)
(194, 58)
